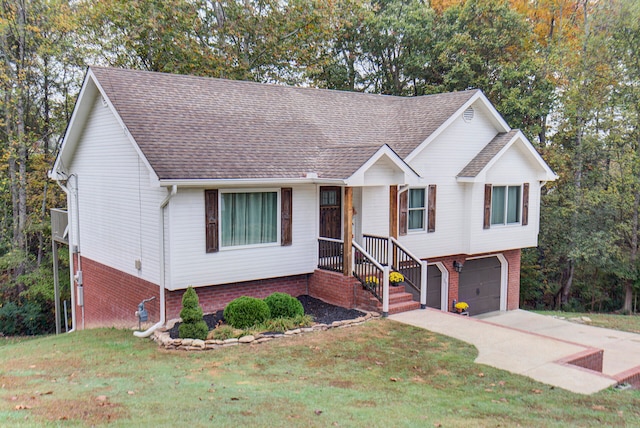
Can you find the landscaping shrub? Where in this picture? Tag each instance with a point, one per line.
(280, 325)
(193, 325)
(26, 319)
(283, 305)
(245, 312)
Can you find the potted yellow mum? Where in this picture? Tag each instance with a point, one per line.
(395, 278)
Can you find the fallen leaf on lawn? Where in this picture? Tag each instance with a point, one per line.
(46, 393)
(492, 384)
(504, 400)
(101, 398)
(480, 374)
(33, 366)
(130, 392)
(22, 407)
(437, 424)
(379, 363)
(235, 399)
(393, 379)
(318, 412)
(14, 398)
(501, 383)
(536, 391)
(488, 390)
(63, 418)
(598, 407)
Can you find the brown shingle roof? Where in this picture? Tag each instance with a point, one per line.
(481, 160)
(203, 128)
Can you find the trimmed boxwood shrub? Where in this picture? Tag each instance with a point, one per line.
(193, 325)
(283, 305)
(245, 312)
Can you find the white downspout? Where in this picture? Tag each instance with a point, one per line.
(163, 315)
(66, 190)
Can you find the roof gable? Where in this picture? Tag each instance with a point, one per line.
(477, 168)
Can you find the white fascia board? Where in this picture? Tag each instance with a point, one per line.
(72, 132)
(500, 124)
(244, 182)
(549, 175)
(357, 178)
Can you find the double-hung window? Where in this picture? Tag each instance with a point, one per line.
(506, 202)
(416, 210)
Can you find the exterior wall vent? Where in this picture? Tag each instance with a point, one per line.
(468, 114)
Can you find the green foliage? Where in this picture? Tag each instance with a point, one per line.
(283, 324)
(223, 332)
(282, 305)
(245, 312)
(25, 319)
(193, 325)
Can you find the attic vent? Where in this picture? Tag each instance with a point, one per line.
(468, 114)
(104, 102)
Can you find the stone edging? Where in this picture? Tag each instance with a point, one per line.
(164, 340)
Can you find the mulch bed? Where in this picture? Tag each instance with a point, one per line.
(322, 313)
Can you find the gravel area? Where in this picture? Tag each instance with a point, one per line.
(322, 313)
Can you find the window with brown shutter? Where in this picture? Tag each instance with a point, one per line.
(431, 209)
(286, 203)
(211, 220)
(525, 204)
(487, 206)
(403, 212)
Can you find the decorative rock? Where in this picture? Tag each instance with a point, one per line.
(307, 329)
(264, 339)
(228, 341)
(187, 342)
(246, 339)
(291, 332)
(197, 343)
(231, 343)
(586, 319)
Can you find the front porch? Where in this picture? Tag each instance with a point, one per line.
(366, 272)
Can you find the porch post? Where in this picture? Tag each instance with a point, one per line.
(385, 291)
(393, 211)
(347, 257)
(423, 285)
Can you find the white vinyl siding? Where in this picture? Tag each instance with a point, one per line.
(118, 205)
(191, 265)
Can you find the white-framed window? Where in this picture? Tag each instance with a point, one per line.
(506, 203)
(248, 218)
(416, 209)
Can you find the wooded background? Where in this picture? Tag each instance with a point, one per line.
(566, 72)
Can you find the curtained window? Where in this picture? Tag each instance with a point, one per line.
(248, 218)
(416, 209)
(505, 204)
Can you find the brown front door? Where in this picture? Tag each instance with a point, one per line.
(330, 212)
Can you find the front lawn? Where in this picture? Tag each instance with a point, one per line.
(630, 323)
(380, 374)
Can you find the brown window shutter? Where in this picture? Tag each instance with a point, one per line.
(404, 212)
(431, 208)
(487, 206)
(525, 204)
(286, 203)
(211, 219)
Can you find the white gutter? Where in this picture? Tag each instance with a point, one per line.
(310, 179)
(163, 315)
(66, 190)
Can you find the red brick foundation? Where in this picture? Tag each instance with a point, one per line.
(591, 359)
(215, 297)
(111, 297)
(333, 287)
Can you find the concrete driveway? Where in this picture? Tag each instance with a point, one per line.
(544, 348)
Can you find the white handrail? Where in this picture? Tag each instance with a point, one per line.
(367, 255)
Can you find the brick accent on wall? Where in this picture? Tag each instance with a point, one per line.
(111, 296)
(215, 297)
(333, 287)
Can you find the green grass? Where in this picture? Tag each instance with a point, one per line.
(380, 374)
(630, 323)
